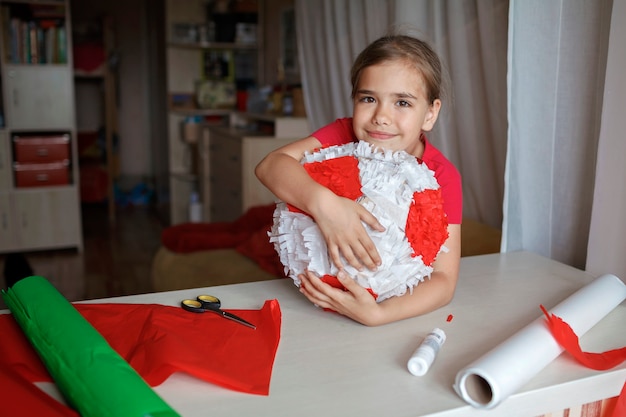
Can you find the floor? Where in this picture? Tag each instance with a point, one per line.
(116, 260)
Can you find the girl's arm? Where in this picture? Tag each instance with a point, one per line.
(358, 304)
(338, 218)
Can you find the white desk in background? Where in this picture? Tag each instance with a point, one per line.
(328, 365)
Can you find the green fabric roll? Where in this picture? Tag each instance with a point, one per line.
(93, 378)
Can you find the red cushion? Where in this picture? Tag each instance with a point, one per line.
(258, 248)
(192, 237)
(247, 234)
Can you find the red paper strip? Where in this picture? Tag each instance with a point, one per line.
(159, 340)
(568, 340)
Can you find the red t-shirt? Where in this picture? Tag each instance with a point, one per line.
(340, 132)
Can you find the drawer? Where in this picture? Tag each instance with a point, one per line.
(42, 175)
(36, 149)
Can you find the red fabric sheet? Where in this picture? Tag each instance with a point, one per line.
(157, 341)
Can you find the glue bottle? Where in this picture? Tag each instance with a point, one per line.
(425, 354)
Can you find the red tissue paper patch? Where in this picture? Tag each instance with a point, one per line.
(340, 175)
(427, 225)
(333, 281)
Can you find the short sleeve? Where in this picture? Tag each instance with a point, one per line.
(338, 132)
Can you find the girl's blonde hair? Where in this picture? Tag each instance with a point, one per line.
(407, 48)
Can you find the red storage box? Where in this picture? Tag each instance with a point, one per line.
(41, 175)
(41, 149)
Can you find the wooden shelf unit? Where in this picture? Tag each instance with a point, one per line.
(105, 76)
(185, 66)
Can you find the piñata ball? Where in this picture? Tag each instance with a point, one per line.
(398, 189)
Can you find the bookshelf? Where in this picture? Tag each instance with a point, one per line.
(39, 179)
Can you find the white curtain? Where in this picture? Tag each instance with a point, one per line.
(565, 125)
(331, 33)
(470, 37)
(606, 251)
(556, 67)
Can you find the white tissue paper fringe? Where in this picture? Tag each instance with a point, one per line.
(389, 180)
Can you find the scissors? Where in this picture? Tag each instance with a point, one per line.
(211, 303)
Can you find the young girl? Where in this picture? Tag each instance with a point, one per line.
(396, 89)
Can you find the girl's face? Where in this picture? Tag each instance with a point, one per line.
(391, 109)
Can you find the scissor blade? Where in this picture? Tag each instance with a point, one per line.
(238, 319)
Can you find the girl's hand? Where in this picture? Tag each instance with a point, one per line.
(354, 302)
(338, 218)
(340, 221)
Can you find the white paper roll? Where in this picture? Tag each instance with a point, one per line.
(503, 370)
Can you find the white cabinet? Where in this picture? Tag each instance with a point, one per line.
(47, 219)
(38, 104)
(34, 220)
(39, 97)
(7, 234)
(38, 218)
(5, 161)
(7, 231)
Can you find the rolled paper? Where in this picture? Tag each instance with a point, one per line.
(92, 377)
(502, 371)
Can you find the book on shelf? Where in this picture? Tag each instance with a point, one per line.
(36, 35)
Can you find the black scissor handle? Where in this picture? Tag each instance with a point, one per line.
(209, 301)
(194, 306)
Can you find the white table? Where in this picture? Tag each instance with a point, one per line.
(328, 365)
